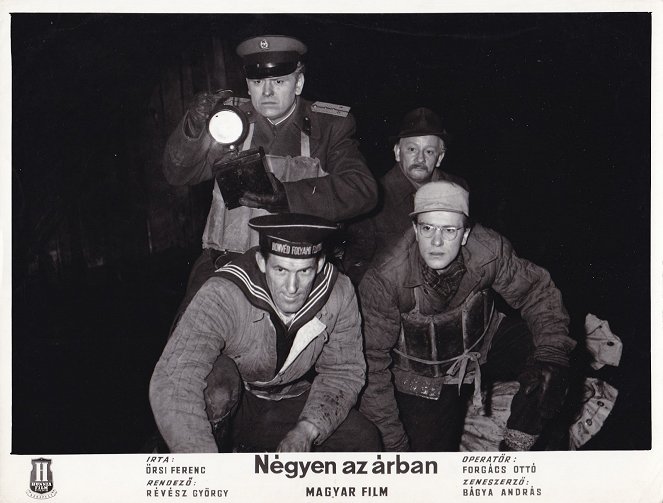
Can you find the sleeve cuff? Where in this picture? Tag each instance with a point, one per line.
(518, 440)
(551, 354)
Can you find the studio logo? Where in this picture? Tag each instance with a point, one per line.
(41, 480)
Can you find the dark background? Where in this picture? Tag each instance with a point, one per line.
(550, 122)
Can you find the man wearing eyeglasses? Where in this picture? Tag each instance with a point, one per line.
(432, 332)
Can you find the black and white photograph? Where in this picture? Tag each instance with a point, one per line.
(264, 234)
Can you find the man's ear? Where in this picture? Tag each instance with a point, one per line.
(443, 150)
(416, 229)
(260, 260)
(439, 159)
(397, 152)
(299, 85)
(466, 235)
(321, 263)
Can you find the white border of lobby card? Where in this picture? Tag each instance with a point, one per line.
(624, 476)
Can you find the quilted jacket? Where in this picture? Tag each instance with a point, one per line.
(221, 319)
(387, 289)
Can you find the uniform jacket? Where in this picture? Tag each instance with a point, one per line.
(340, 189)
(387, 290)
(221, 319)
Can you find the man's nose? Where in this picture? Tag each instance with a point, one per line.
(420, 156)
(292, 283)
(268, 88)
(437, 240)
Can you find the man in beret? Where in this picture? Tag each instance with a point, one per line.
(419, 149)
(271, 349)
(310, 150)
(432, 332)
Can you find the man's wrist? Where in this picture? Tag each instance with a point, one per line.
(551, 354)
(193, 128)
(308, 429)
(515, 440)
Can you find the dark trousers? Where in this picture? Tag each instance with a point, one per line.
(434, 425)
(243, 422)
(259, 425)
(437, 425)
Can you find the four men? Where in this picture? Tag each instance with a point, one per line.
(269, 349)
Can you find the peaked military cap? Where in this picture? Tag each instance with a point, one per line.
(292, 235)
(270, 55)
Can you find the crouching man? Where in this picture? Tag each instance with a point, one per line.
(432, 330)
(269, 349)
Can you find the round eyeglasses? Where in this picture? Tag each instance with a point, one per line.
(449, 232)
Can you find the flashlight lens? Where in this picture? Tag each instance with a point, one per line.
(226, 126)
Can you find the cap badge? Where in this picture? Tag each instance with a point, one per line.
(264, 45)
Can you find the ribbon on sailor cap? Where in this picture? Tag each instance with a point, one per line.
(293, 235)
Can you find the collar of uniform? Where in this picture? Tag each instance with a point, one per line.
(291, 113)
(297, 119)
(302, 111)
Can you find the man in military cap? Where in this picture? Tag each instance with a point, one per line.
(316, 163)
(287, 326)
(431, 329)
(419, 149)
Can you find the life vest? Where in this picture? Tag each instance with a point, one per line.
(433, 350)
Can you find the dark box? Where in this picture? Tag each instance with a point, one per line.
(245, 173)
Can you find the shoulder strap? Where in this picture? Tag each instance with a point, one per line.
(330, 108)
